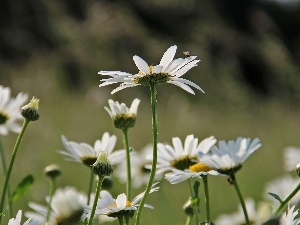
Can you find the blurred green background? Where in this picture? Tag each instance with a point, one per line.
(249, 70)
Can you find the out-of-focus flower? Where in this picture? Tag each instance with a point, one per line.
(10, 111)
(283, 187)
(139, 173)
(120, 206)
(228, 158)
(17, 220)
(86, 154)
(180, 156)
(122, 116)
(291, 158)
(67, 207)
(168, 71)
(256, 216)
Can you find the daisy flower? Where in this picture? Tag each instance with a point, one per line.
(10, 111)
(288, 218)
(283, 187)
(86, 154)
(291, 158)
(256, 216)
(17, 220)
(169, 70)
(139, 173)
(120, 206)
(228, 158)
(122, 116)
(67, 207)
(180, 156)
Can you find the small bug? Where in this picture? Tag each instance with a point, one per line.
(186, 54)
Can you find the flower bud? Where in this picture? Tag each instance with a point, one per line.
(52, 171)
(298, 169)
(102, 167)
(31, 110)
(188, 209)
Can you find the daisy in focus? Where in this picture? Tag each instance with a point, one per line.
(228, 158)
(140, 174)
(86, 154)
(119, 207)
(17, 220)
(67, 207)
(122, 116)
(181, 156)
(169, 70)
(291, 158)
(288, 218)
(10, 109)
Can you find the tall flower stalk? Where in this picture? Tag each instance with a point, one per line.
(154, 161)
(30, 113)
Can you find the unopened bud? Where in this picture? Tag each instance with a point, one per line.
(298, 169)
(31, 110)
(52, 171)
(188, 209)
(102, 167)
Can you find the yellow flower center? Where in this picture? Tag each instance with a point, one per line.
(184, 162)
(199, 167)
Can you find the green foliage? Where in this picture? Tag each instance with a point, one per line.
(22, 187)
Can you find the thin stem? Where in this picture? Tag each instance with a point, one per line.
(188, 220)
(5, 171)
(286, 200)
(154, 160)
(195, 210)
(51, 192)
(233, 179)
(205, 183)
(91, 182)
(128, 165)
(101, 178)
(121, 220)
(25, 123)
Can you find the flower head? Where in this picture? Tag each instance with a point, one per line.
(228, 158)
(122, 116)
(169, 70)
(180, 156)
(10, 109)
(86, 154)
(120, 206)
(17, 220)
(139, 173)
(288, 218)
(67, 207)
(31, 110)
(102, 167)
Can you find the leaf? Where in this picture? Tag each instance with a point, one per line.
(22, 187)
(275, 196)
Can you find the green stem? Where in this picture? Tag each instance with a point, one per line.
(5, 172)
(121, 220)
(26, 122)
(89, 192)
(188, 220)
(286, 200)
(233, 179)
(51, 192)
(154, 161)
(101, 178)
(194, 208)
(126, 145)
(205, 183)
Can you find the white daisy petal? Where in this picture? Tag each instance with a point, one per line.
(168, 56)
(141, 64)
